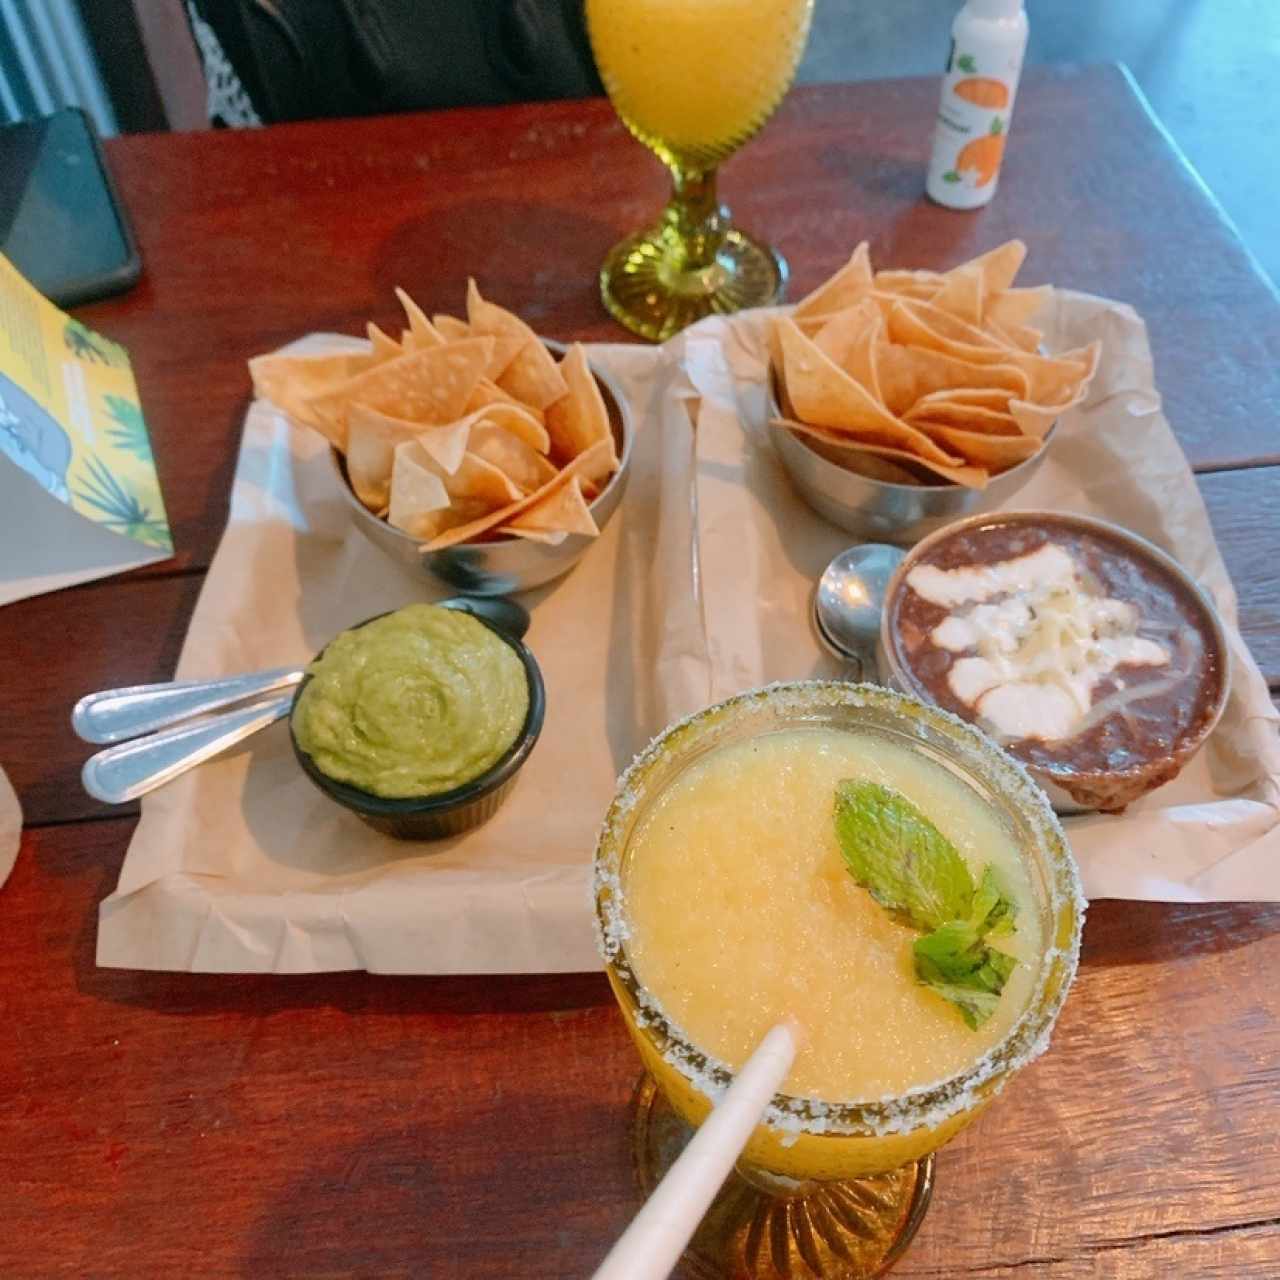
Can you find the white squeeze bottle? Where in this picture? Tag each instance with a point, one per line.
(988, 39)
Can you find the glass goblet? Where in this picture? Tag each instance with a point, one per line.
(693, 80)
(826, 1188)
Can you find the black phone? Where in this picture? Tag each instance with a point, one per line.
(61, 222)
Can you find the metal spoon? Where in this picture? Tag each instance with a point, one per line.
(133, 768)
(849, 602)
(115, 714)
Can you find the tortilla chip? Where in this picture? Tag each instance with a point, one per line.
(997, 266)
(478, 479)
(849, 339)
(384, 348)
(371, 444)
(447, 445)
(595, 457)
(1060, 380)
(811, 326)
(601, 466)
(1017, 306)
(505, 350)
(472, 480)
(513, 418)
(421, 333)
(579, 419)
(967, 417)
(450, 328)
(563, 510)
(909, 284)
(825, 395)
(291, 382)
(962, 295)
(488, 393)
(532, 376)
(1015, 335)
(419, 501)
(907, 374)
(996, 398)
(1036, 419)
(996, 452)
(1048, 378)
(430, 386)
(848, 286)
(860, 463)
(510, 454)
(921, 324)
(842, 445)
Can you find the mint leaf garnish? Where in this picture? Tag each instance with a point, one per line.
(912, 870)
(909, 867)
(960, 967)
(993, 910)
(975, 1006)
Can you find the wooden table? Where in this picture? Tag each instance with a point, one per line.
(167, 1124)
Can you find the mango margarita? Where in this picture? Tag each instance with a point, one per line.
(742, 911)
(726, 905)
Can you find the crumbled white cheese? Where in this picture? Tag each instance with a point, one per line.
(1040, 648)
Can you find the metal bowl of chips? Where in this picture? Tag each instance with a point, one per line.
(880, 510)
(902, 400)
(500, 564)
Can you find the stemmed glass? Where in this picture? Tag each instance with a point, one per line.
(831, 1189)
(693, 80)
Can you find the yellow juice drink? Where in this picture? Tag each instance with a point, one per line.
(691, 78)
(742, 911)
(726, 905)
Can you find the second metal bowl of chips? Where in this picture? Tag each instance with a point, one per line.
(503, 565)
(880, 510)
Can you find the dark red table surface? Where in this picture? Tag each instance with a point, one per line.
(171, 1124)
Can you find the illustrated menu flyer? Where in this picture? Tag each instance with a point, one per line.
(79, 495)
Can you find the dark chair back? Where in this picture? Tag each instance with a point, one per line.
(301, 59)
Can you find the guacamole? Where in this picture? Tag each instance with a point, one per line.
(412, 704)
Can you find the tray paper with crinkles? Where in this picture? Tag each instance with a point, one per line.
(699, 587)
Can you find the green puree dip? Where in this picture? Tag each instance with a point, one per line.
(412, 704)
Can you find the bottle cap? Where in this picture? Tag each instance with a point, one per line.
(994, 8)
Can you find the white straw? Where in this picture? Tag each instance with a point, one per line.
(657, 1236)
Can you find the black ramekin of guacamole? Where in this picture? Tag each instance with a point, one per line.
(412, 720)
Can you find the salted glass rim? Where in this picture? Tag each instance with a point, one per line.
(924, 1106)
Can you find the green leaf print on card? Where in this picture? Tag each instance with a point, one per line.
(120, 508)
(92, 347)
(130, 431)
